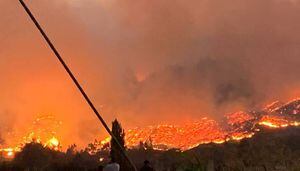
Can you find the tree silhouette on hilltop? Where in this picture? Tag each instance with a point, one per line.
(115, 151)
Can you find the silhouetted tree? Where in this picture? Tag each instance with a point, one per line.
(115, 149)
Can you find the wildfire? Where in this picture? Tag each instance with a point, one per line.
(9, 152)
(236, 126)
(52, 143)
(274, 122)
(43, 130)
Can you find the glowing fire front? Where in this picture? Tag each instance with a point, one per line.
(9, 152)
(43, 130)
(235, 126)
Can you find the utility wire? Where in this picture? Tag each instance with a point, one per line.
(86, 97)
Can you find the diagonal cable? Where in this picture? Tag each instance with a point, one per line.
(86, 97)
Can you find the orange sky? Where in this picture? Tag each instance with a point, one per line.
(145, 62)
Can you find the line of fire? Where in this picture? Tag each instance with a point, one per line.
(234, 127)
(261, 135)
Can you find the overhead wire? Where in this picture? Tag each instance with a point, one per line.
(76, 82)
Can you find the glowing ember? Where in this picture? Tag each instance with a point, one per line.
(238, 118)
(9, 152)
(52, 143)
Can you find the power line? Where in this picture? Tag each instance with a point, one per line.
(86, 97)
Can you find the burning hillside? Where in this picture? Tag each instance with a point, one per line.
(235, 126)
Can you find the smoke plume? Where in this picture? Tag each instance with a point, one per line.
(147, 62)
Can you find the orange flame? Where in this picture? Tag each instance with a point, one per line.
(42, 131)
(237, 126)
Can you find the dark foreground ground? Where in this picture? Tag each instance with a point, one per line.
(269, 150)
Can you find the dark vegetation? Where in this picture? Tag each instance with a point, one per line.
(269, 150)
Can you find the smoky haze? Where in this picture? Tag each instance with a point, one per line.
(147, 62)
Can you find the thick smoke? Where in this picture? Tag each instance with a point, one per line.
(148, 62)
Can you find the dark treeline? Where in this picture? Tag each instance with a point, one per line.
(269, 150)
